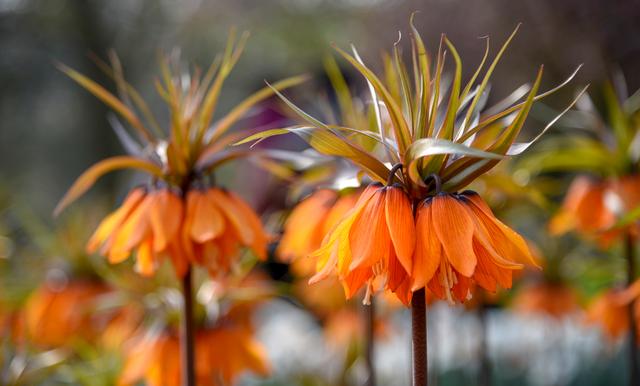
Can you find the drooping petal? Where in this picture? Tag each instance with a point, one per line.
(234, 215)
(339, 210)
(488, 273)
(145, 260)
(396, 274)
(428, 250)
(454, 229)
(461, 289)
(111, 223)
(404, 293)
(207, 222)
(507, 243)
(335, 251)
(369, 234)
(401, 226)
(131, 233)
(165, 216)
(355, 279)
(303, 230)
(179, 258)
(260, 237)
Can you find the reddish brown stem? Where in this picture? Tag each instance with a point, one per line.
(419, 337)
(187, 348)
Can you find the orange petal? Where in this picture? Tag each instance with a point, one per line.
(211, 257)
(488, 273)
(335, 251)
(234, 215)
(401, 226)
(404, 292)
(115, 219)
(355, 279)
(396, 273)
(461, 288)
(179, 258)
(207, 222)
(454, 229)
(508, 243)
(145, 259)
(303, 230)
(260, 238)
(339, 210)
(134, 229)
(369, 235)
(165, 216)
(428, 249)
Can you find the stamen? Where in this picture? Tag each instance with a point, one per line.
(446, 280)
(378, 268)
(367, 296)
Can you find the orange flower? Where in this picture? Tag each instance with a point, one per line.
(310, 221)
(438, 145)
(592, 207)
(180, 155)
(217, 223)
(376, 239)
(56, 316)
(462, 243)
(121, 327)
(553, 299)
(222, 354)
(147, 222)
(155, 224)
(610, 313)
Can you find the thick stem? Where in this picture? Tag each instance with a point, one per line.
(634, 375)
(419, 337)
(370, 316)
(187, 348)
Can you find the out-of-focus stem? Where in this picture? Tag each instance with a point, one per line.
(419, 337)
(634, 375)
(370, 316)
(484, 377)
(187, 348)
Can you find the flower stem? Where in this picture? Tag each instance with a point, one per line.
(370, 315)
(634, 376)
(485, 364)
(419, 337)
(187, 349)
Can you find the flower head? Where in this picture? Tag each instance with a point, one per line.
(438, 142)
(57, 315)
(553, 299)
(609, 313)
(462, 243)
(182, 213)
(222, 354)
(593, 207)
(375, 239)
(311, 220)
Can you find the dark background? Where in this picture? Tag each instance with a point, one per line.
(51, 129)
